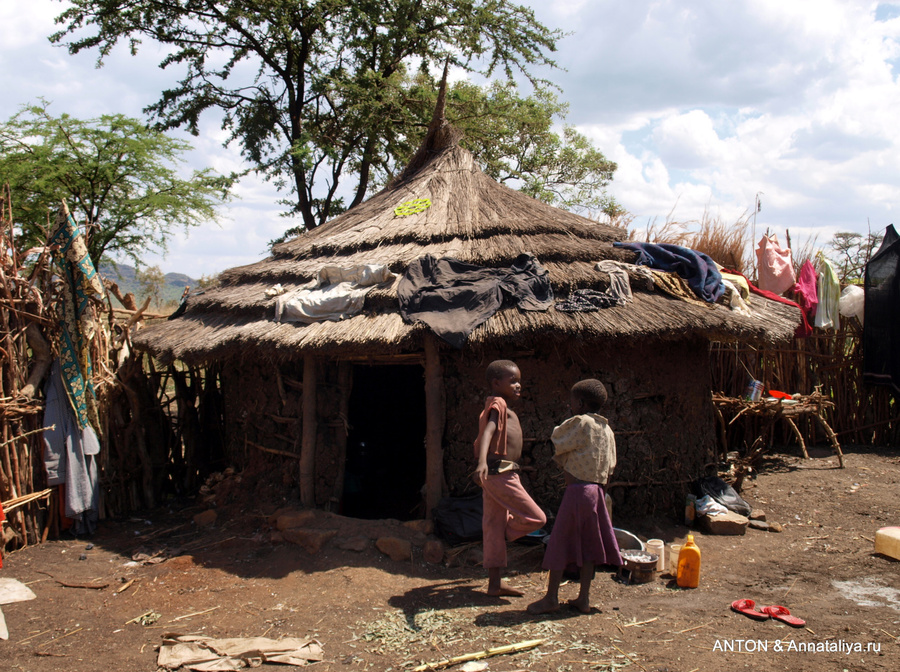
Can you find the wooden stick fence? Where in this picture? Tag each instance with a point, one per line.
(148, 434)
(828, 360)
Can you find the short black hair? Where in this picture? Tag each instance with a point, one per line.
(591, 392)
(497, 368)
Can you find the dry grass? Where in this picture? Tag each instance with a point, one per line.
(727, 244)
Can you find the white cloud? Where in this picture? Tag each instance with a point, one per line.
(702, 105)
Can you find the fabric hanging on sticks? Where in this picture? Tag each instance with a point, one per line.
(881, 327)
(806, 289)
(775, 268)
(829, 296)
(80, 282)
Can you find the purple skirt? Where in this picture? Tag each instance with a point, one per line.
(583, 532)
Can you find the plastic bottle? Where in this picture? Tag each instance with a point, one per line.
(690, 510)
(688, 565)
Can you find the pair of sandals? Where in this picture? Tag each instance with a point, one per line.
(748, 608)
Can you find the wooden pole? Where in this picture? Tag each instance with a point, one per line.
(434, 425)
(308, 443)
(345, 385)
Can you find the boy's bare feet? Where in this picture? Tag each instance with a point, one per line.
(582, 605)
(503, 590)
(545, 605)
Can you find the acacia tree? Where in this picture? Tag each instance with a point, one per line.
(117, 176)
(851, 252)
(317, 91)
(512, 138)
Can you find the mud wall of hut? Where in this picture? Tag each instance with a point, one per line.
(659, 409)
(263, 410)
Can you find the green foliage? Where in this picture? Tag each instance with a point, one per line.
(850, 253)
(316, 91)
(207, 281)
(117, 176)
(152, 281)
(513, 139)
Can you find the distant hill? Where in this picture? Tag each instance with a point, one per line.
(125, 277)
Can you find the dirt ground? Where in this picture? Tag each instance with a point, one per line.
(372, 613)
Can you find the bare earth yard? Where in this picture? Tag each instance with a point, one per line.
(372, 613)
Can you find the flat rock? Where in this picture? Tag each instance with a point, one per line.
(758, 524)
(206, 518)
(293, 519)
(397, 549)
(757, 514)
(310, 540)
(474, 556)
(423, 526)
(728, 523)
(433, 552)
(358, 544)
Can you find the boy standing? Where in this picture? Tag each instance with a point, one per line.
(509, 512)
(583, 533)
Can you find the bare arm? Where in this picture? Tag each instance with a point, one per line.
(484, 444)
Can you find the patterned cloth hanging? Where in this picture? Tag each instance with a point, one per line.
(79, 281)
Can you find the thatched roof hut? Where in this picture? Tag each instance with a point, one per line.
(474, 219)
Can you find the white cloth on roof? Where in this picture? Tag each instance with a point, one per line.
(335, 294)
(733, 299)
(619, 284)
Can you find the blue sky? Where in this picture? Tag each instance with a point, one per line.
(703, 106)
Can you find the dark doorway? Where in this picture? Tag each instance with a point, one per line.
(386, 444)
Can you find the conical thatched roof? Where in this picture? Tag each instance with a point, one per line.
(471, 218)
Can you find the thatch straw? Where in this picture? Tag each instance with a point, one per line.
(472, 218)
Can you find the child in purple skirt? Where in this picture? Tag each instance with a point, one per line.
(583, 533)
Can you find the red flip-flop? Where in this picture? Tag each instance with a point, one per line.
(748, 608)
(783, 615)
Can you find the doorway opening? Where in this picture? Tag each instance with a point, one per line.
(386, 445)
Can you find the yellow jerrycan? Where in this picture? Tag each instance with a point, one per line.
(688, 575)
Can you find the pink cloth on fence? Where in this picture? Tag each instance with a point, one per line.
(509, 513)
(774, 266)
(583, 532)
(806, 290)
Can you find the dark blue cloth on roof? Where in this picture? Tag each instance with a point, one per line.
(696, 267)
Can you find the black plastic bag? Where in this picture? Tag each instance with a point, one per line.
(457, 520)
(723, 493)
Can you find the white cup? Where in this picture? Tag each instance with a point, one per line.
(658, 548)
(674, 551)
